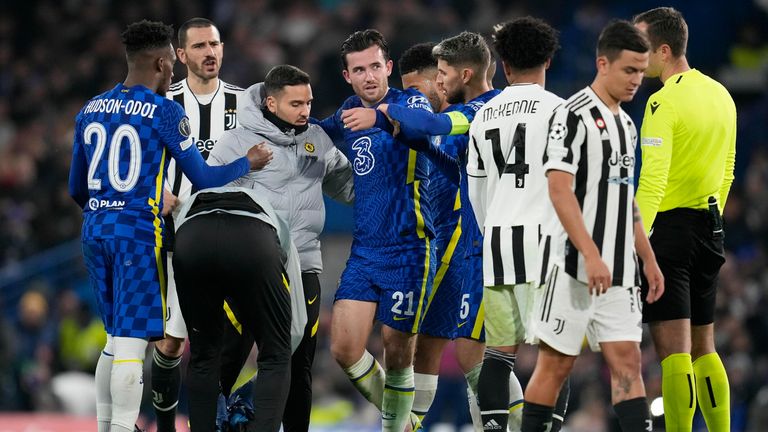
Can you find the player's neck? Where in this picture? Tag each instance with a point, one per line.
(678, 66)
(476, 90)
(200, 86)
(602, 93)
(537, 76)
(135, 78)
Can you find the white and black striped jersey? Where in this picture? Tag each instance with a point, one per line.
(507, 186)
(587, 140)
(208, 121)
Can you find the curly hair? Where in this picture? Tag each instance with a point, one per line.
(417, 58)
(525, 43)
(146, 35)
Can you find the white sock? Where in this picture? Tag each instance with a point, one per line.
(398, 400)
(368, 377)
(473, 376)
(103, 396)
(515, 421)
(426, 387)
(127, 381)
(474, 411)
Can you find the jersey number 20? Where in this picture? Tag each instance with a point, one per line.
(519, 168)
(124, 132)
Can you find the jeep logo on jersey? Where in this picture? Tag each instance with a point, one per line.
(364, 160)
(95, 204)
(205, 146)
(623, 161)
(230, 119)
(184, 128)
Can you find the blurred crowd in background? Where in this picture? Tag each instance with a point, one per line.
(54, 55)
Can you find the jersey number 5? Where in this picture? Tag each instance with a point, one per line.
(519, 168)
(97, 131)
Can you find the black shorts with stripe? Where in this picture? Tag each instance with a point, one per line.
(690, 256)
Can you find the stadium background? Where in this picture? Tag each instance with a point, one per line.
(54, 55)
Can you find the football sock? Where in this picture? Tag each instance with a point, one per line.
(103, 377)
(127, 381)
(713, 392)
(398, 399)
(367, 376)
(561, 406)
(493, 389)
(426, 387)
(634, 415)
(536, 418)
(166, 381)
(516, 404)
(678, 393)
(474, 410)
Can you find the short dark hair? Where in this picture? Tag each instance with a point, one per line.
(362, 40)
(525, 43)
(620, 35)
(281, 76)
(146, 35)
(417, 58)
(192, 23)
(665, 26)
(466, 48)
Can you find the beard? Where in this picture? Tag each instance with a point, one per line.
(454, 98)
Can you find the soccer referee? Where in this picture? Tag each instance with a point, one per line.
(688, 142)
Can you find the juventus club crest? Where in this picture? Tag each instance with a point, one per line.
(230, 119)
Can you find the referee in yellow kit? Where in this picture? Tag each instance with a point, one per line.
(688, 142)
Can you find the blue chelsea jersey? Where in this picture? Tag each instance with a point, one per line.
(471, 234)
(392, 201)
(123, 141)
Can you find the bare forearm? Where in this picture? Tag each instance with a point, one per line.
(642, 245)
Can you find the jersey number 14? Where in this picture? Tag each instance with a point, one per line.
(519, 168)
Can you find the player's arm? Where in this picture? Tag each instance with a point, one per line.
(656, 142)
(338, 180)
(174, 131)
(78, 171)
(426, 122)
(645, 252)
(332, 126)
(477, 180)
(730, 162)
(561, 159)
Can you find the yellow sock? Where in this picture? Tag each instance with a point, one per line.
(713, 392)
(677, 390)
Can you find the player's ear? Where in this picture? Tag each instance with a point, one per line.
(160, 64)
(271, 104)
(666, 52)
(390, 65)
(602, 64)
(345, 74)
(466, 74)
(181, 55)
(508, 72)
(547, 64)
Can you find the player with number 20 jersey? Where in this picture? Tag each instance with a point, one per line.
(123, 141)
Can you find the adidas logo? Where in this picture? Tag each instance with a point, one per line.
(491, 425)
